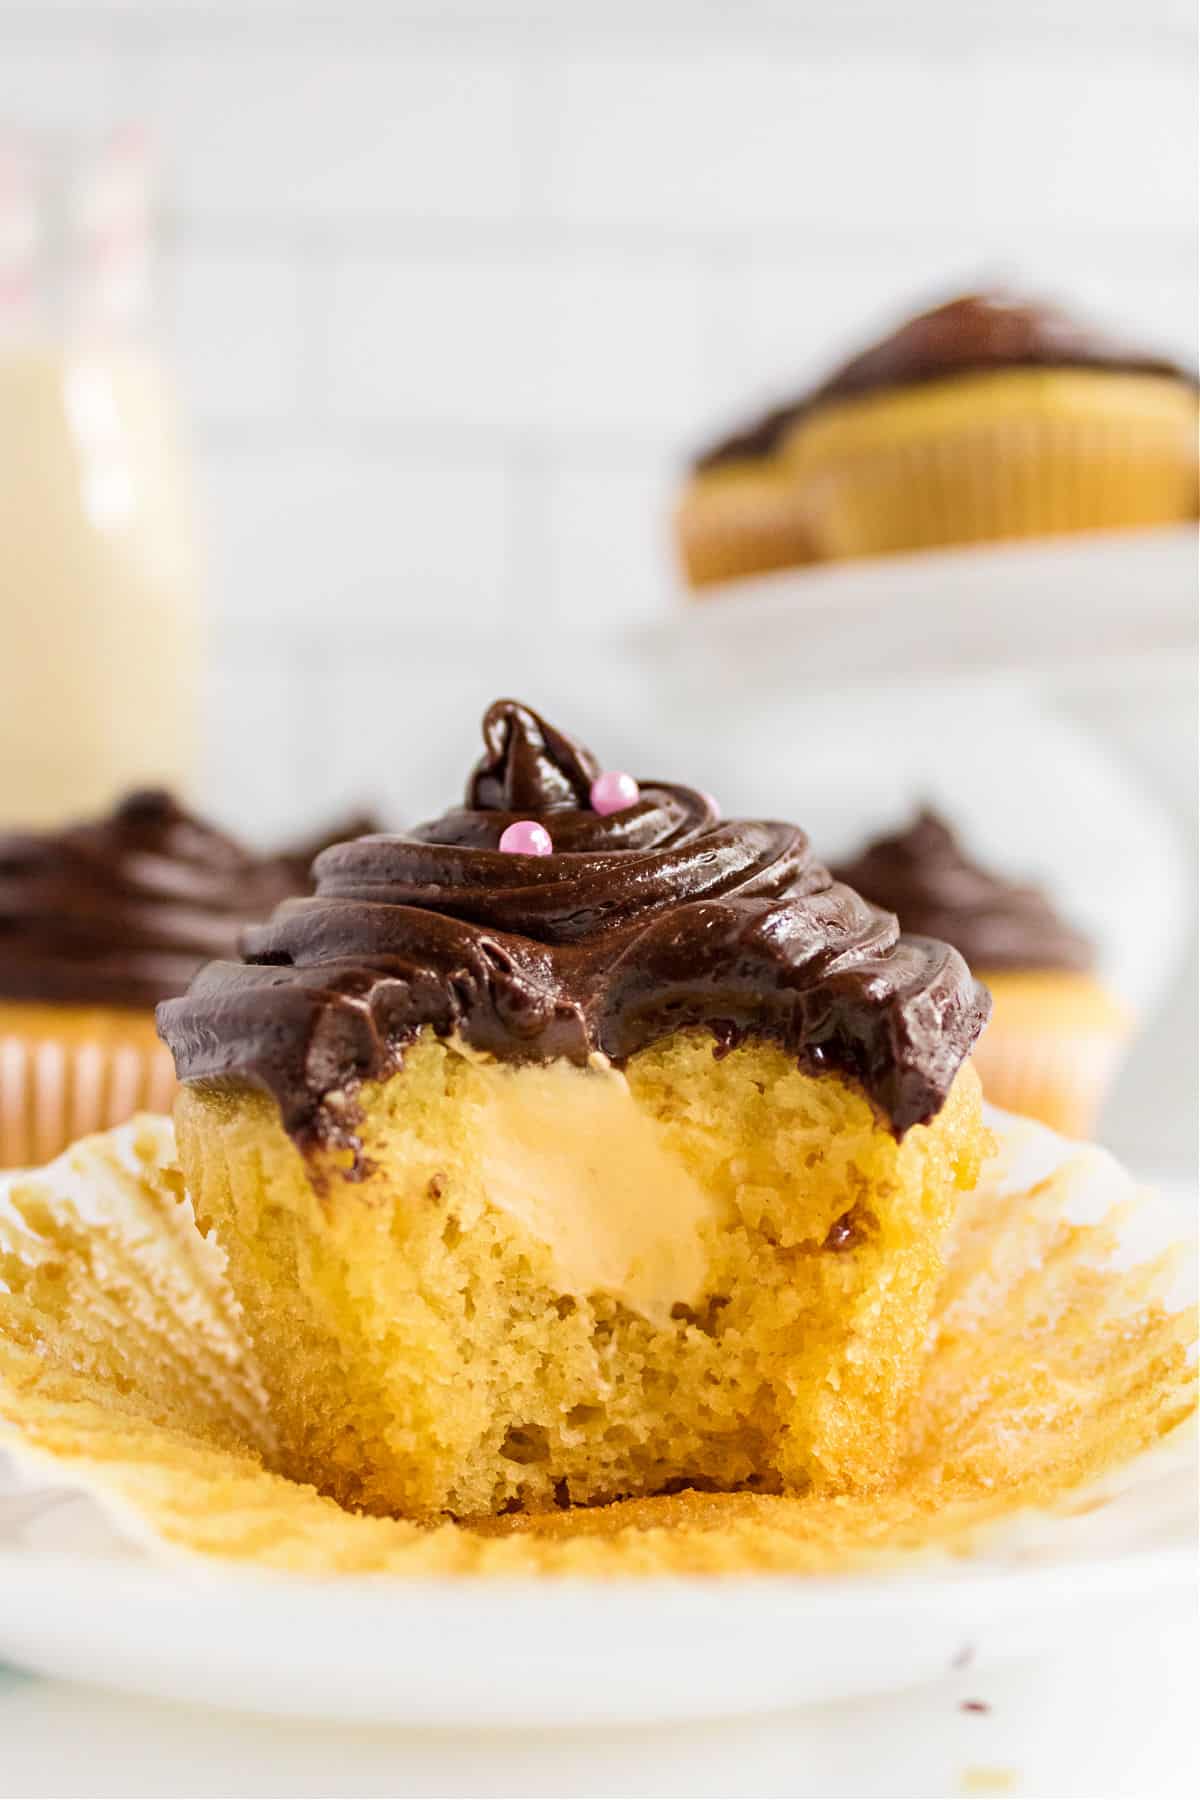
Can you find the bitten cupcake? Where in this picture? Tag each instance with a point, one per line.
(98, 923)
(1056, 1033)
(579, 1144)
(985, 418)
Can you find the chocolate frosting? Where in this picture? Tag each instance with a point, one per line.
(122, 911)
(295, 861)
(638, 923)
(923, 875)
(967, 336)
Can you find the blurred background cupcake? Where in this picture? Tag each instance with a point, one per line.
(985, 418)
(1056, 1032)
(99, 922)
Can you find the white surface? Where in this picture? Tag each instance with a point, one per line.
(548, 1654)
(1047, 609)
(1113, 1718)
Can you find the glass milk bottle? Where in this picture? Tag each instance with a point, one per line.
(99, 610)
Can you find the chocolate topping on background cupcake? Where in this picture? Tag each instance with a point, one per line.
(923, 875)
(639, 923)
(967, 336)
(122, 911)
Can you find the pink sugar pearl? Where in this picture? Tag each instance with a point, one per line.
(613, 792)
(526, 838)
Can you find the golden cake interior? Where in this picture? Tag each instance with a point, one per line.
(490, 1318)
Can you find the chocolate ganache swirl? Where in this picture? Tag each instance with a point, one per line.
(123, 910)
(637, 924)
(293, 863)
(924, 876)
(972, 335)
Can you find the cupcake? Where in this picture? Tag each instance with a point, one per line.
(98, 923)
(579, 1144)
(986, 418)
(1056, 1033)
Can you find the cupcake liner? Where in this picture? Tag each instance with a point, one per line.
(55, 1090)
(1011, 481)
(1060, 1078)
(739, 524)
(1006, 456)
(1054, 1358)
(1017, 454)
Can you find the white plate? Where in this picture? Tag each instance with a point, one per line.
(1050, 607)
(546, 1654)
(79, 1601)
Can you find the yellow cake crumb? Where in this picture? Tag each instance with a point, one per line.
(427, 1351)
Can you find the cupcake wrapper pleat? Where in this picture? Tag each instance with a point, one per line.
(52, 1093)
(1060, 1078)
(1009, 479)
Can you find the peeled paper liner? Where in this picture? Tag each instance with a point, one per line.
(1058, 1356)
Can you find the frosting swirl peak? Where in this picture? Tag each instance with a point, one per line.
(639, 923)
(527, 765)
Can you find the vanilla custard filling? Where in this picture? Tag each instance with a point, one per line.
(569, 1154)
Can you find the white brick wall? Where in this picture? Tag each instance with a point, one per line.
(348, 541)
(453, 287)
(242, 332)
(338, 129)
